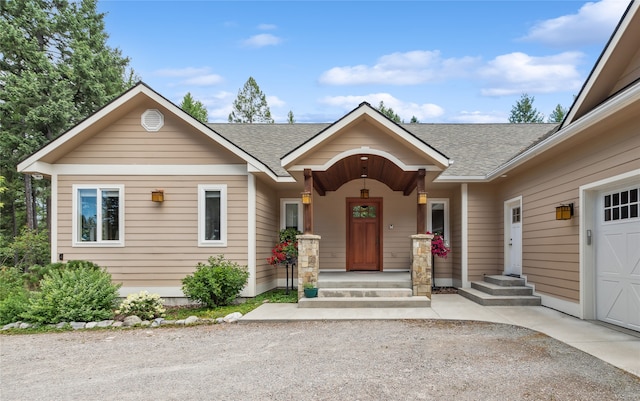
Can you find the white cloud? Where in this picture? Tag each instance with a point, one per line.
(410, 68)
(275, 101)
(592, 24)
(479, 117)
(517, 73)
(204, 80)
(405, 110)
(262, 40)
(195, 76)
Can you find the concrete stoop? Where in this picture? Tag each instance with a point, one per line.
(501, 291)
(381, 290)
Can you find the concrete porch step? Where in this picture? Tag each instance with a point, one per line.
(485, 299)
(365, 302)
(494, 289)
(505, 281)
(364, 280)
(357, 292)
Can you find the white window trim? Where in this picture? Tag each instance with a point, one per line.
(283, 208)
(430, 203)
(74, 217)
(202, 189)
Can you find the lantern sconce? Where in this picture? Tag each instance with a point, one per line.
(564, 212)
(157, 195)
(306, 198)
(422, 198)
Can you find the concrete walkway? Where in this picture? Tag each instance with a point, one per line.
(616, 346)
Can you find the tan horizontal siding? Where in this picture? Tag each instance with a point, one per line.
(483, 240)
(127, 142)
(363, 134)
(551, 258)
(161, 240)
(266, 234)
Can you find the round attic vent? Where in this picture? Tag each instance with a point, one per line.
(152, 120)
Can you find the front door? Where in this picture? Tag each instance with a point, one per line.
(514, 250)
(364, 238)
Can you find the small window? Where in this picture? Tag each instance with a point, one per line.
(621, 205)
(291, 213)
(212, 215)
(515, 215)
(438, 217)
(364, 212)
(98, 215)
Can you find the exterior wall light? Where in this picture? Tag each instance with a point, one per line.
(157, 195)
(306, 198)
(364, 193)
(422, 198)
(564, 212)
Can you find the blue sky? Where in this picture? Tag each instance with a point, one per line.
(441, 61)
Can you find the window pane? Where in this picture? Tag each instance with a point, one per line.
(88, 214)
(624, 197)
(616, 199)
(633, 194)
(212, 216)
(634, 211)
(437, 219)
(110, 215)
(291, 215)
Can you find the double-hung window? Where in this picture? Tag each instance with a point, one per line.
(212, 215)
(438, 217)
(291, 213)
(98, 215)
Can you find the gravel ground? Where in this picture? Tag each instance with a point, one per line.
(345, 360)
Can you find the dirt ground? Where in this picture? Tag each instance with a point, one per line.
(345, 360)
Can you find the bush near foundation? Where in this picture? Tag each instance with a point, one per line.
(217, 283)
(144, 305)
(14, 297)
(82, 293)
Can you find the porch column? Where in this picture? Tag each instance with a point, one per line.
(308, 208)
(421, 264)
(422, 209)
(308, 261)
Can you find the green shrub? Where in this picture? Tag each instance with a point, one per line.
(36, 273)
(79, 294)
(30, 247)
(14, 297)
(144, 305)
(217, 283)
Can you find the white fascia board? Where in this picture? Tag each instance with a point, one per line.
(461, 178)
(149, 169)
(362, 110)
(36, 167)
(624, 99)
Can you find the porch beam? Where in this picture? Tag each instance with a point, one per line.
(308, 208)
(422, 209)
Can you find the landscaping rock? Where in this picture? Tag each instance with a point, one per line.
(78, 325)
(10, 326)
(233, 317)
(61, 325)
(117, 324)
(105, 323)
(130, 321)
(191, 320)
(91, 325)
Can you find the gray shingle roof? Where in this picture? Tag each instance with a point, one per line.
(476, 149)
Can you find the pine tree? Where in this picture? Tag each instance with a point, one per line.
(194, 107)
(56, 69)
(290, 118)
(557, 115)
(524, 112)
(388, 111)
(251, 105)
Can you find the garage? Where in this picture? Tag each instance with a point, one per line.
(617, 243)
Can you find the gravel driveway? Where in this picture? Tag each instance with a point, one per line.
(345, 360)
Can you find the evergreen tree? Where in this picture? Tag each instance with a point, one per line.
(414, 120)
(56, 69)
(194, 107)
(251, 105)
(524, 112)
(557, 115)
(388, 111)
(290, 118)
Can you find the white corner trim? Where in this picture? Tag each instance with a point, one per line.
(464, 247)
(53, 233)
(250, 289)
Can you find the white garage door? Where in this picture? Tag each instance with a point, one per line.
(618, 258)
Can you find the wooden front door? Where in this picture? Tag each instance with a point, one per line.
(364, 235)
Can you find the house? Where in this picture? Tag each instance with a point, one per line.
(146, 190)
